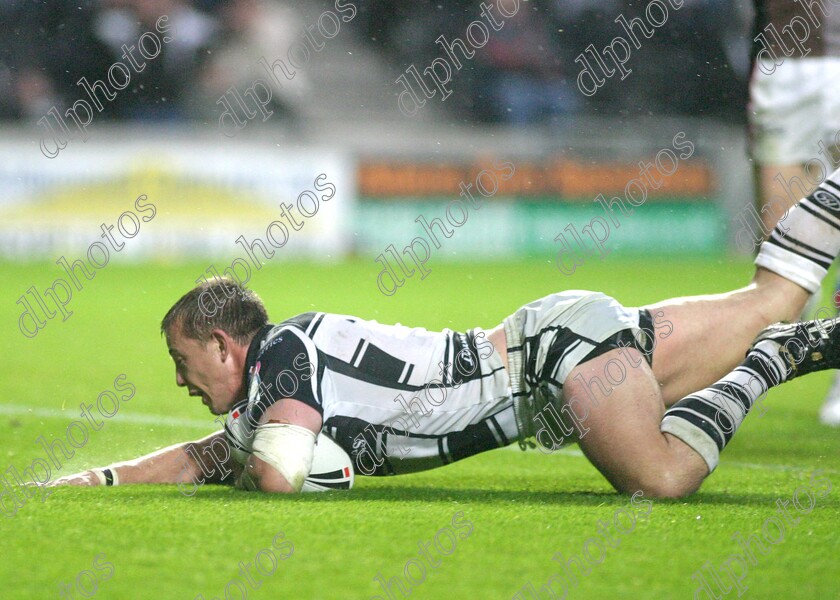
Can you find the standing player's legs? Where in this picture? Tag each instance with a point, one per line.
(794, 122)
(777, 187)
(788, 115)
(789, 119)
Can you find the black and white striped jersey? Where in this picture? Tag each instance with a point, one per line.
(396, 399)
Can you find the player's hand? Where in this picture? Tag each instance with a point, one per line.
(86, 478)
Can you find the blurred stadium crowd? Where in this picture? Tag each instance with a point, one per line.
(526, 74)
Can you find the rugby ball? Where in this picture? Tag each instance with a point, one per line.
(331, 469)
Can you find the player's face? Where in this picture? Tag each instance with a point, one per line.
(207, 369)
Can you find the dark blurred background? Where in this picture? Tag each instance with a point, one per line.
(696, 64)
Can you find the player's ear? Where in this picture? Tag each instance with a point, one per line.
(221, 341)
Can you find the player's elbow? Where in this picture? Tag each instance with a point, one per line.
(276, 488)
(282, 457)
(663, 484)
(260, 476)
(275, 483)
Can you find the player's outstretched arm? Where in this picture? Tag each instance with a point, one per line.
(207, 460)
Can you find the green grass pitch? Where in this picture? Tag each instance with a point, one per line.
(523, 508)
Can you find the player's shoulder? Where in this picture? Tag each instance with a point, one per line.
(320, 326)
(311, 323)
(315, 332)
(308, 324)
(282, 342)
(286, 365)
(291, 344)
(304, 322)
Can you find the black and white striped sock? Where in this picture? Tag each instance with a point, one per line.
(803, 245)
(707, 420)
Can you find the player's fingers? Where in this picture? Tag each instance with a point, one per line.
(81, 479)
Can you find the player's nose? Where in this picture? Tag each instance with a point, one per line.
(179, 381)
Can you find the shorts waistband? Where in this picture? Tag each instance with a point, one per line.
(523, 403)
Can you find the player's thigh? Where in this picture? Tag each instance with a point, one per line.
(619, 431)
(708, 336)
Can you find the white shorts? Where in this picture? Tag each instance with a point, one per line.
(792, 109)
(549, 337)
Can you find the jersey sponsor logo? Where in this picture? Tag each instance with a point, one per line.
(271, 343)
(827, 199)
(358, 444)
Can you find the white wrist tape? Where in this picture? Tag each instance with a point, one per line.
(287, 448)
(107, 476)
